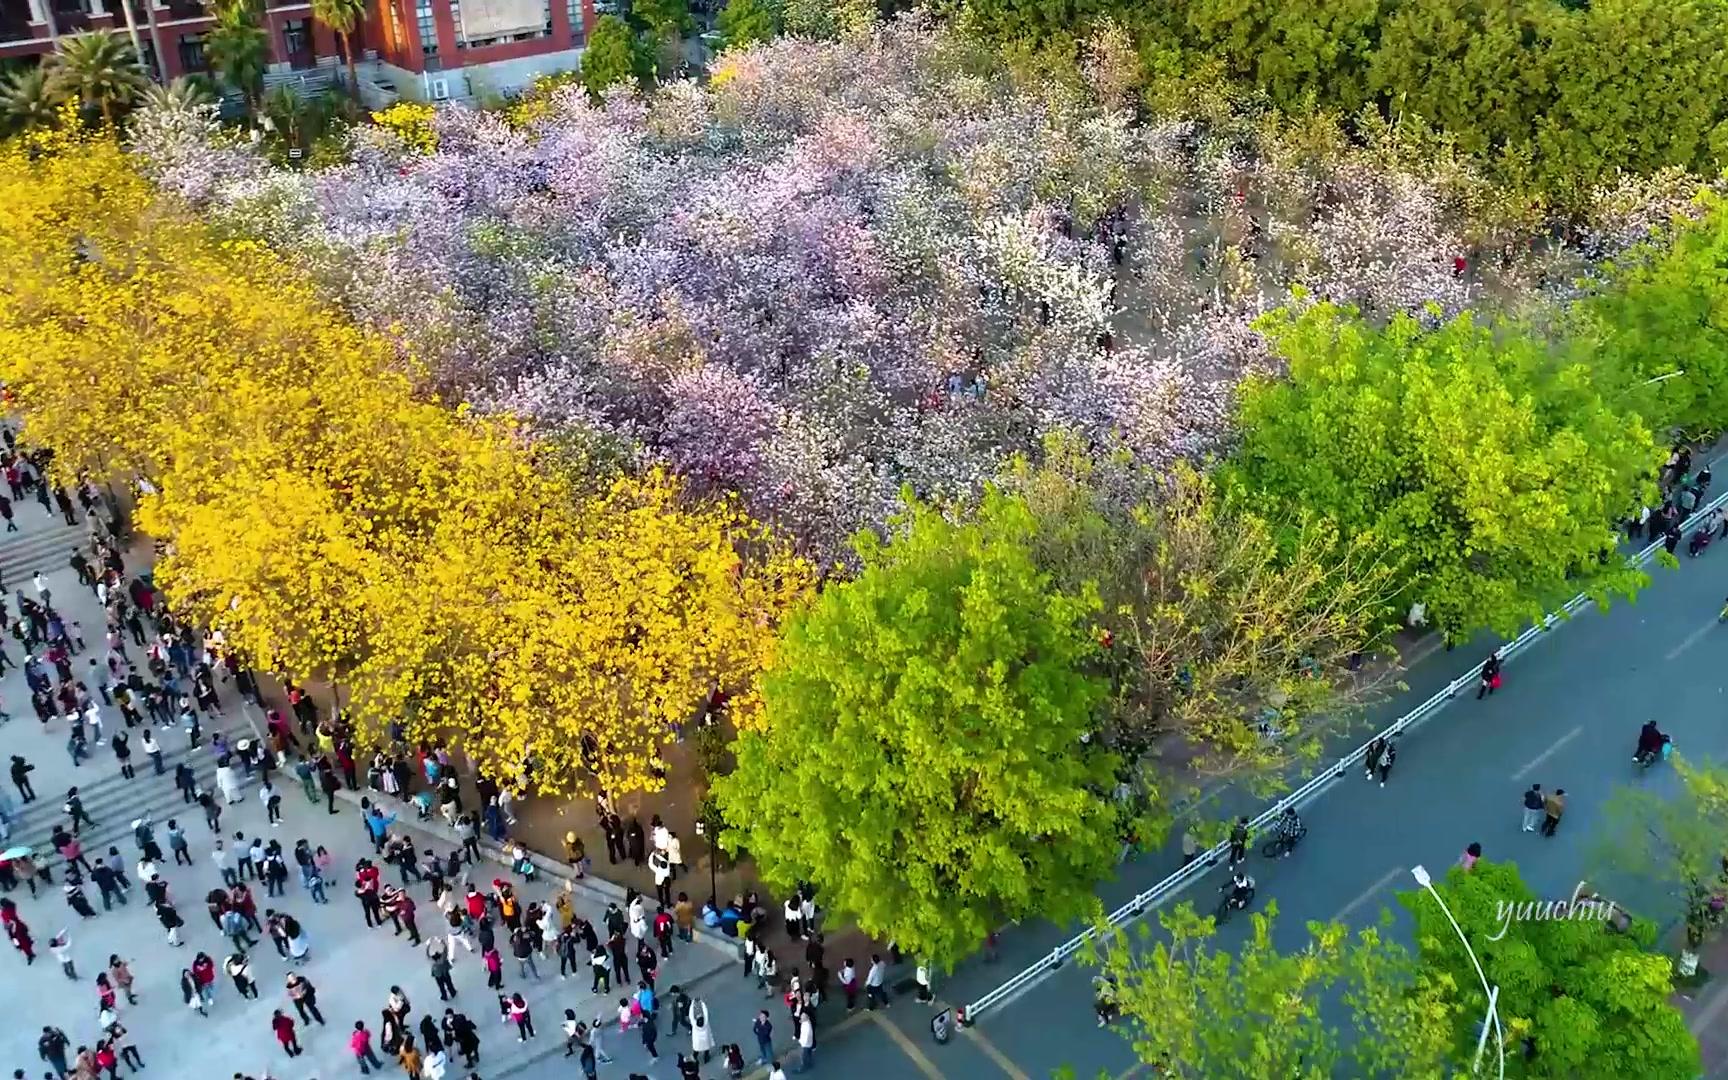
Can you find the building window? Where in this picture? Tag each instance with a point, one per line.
(574, 9)
(428, 28)
(456, 17)
(546, 9)
(192, 53)
(397, 36)
(297, 36)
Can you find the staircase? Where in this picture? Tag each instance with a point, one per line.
(114, 802)
(38, 545)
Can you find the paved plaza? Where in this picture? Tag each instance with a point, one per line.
(352, 967)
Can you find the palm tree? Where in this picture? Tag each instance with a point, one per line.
(239, 50)
(26, 100)
(343, 17)
(98, 70)
(185, 92)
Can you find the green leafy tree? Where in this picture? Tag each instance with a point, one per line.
(1676, 842)
(925, 756)
(1665, 310)
(1637, 85)
(239, 50)
(1475, 70)
(742, 22)
(667, 21)
(1482, 460)
(1300, 52)
(343, 17)
(614, 54)
(1583, 993)
(99, 71)
(828, 19)
(27, 100)
(1225, 628)
(1192, 1010)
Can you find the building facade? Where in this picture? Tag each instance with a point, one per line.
(418, 49)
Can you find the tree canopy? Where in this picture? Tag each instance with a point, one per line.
(1193, 1010)
(1590, 998)
(1482, 460)
(926, 757)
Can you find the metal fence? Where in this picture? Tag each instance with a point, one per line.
(1179, 880)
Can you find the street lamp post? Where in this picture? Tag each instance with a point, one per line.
(1492, 1018)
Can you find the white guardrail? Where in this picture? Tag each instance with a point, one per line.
(1203, 863)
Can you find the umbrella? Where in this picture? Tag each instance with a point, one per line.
(17, 852)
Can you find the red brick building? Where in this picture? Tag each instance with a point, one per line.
(417, 48)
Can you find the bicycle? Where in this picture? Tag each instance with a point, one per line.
(1229, 903)
(1280, 846)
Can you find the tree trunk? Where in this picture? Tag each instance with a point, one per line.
(131, 26)
(353, 78)
(159, 66)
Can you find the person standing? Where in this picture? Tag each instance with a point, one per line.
(284, 1029)
(21, 771)
(360, 1045)
(1552, 808)
(440, 959)
(806, 1042)
(1532, 808)
(763, 1028)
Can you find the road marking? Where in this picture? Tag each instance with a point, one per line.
(1548, 753)
(994, 1054)
(908, 1047)
(1693, 638)
(1368, 893)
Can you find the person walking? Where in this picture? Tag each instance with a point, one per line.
(305, 998)
(522, 1018)
(1371, 757)
(120, 975)
(701, 1032)
(51, 1046)
(171, 921)
(875, 989)
(1532, 808)
(1386, 761)
(21, 771)
(1552, 808)
(239, 968)
(284, 1029)
(360, 1045)
(461, 1032)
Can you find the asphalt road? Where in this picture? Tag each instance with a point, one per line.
(1567, 716)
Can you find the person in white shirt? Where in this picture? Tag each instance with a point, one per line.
(874, 990)
(806, 1043)
(674, 854)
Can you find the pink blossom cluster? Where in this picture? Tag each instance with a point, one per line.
(836, 269)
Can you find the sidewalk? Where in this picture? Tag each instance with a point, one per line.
(1706, 1009)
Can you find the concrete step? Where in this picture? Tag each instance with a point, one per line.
(43, 547)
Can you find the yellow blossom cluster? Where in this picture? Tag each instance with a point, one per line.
(435, 564)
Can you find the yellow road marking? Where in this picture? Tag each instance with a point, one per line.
(994, 1054)
(907, 1047)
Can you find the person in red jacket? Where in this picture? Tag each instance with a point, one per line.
(284, 1029)
(204, 977)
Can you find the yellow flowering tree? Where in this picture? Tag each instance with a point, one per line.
(334, 526)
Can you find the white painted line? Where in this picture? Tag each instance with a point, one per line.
(1693, 638)
(1548, 753)
(1368, 893)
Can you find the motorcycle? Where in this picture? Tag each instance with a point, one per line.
(1646, 758)
(1231, 902)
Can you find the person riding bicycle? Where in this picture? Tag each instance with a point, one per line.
(1241, 888)
(1650, 740)
(1288, 827)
